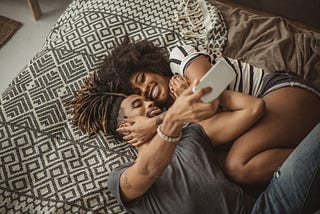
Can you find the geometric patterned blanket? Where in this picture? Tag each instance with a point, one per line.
(46, 164)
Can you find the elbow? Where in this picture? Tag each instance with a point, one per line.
(259, 108)
(153, 169)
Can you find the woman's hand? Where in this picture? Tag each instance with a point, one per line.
(177, 85)
(138, 130)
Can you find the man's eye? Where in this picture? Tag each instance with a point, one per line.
(137, 105)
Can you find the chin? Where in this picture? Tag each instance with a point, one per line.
(162, 104)
(162, 100)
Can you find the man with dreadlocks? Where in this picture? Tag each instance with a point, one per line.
(92, 104)
(177, 170)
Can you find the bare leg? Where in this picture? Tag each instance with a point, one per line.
(291, 114)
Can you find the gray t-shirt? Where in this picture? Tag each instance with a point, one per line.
(193, 182)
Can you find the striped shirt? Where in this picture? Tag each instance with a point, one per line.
(248, 79)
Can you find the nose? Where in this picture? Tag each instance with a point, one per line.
(144, 90)
(148, 104)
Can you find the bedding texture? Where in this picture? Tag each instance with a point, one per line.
(271, 42)
(48, 165)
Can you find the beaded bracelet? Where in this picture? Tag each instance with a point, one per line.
(167, 138)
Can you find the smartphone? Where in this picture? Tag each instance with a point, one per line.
(218, 78)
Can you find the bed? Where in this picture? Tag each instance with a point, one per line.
(50, 166)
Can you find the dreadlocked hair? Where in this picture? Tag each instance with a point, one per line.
(130, 57)
(96, 106)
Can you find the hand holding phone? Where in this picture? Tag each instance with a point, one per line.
(218, 78)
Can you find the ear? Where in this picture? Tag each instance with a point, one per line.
(123, 129)
(123, 125)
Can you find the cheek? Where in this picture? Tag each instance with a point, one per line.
(136, 112)
(164, 92)
(165, 87)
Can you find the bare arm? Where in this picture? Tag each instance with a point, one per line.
(197, 68)
(244, 111)
(152, 160)
(156, 155)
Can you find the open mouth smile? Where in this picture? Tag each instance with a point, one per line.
(153, 94)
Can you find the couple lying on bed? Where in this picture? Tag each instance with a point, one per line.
(176, 170)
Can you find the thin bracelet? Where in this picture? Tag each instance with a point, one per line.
(167, 138)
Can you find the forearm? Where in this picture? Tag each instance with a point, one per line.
(155, 156)
(244, 112)
(233, 101)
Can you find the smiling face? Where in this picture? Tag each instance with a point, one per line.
(152, 86)
(136, 105)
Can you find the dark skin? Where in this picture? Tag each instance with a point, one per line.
(156, 154)
(252, 158)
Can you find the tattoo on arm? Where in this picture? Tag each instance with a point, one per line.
(158, 120)
(124, 183)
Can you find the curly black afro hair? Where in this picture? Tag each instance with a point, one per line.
(130, 57)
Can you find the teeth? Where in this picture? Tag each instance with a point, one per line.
(154, 92)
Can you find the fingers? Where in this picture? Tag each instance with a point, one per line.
(127, 137)
(124, 129)
(199, 93)
(137, 144)
(178, 82)
(133, 141)
(126, 126)
(172, 95)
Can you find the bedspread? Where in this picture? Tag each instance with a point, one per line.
(48, 165)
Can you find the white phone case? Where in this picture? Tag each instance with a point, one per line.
(218, 78)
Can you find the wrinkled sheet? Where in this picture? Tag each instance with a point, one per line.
(271, 42)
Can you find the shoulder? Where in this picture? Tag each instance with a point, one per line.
(114, 178)
(182, 55)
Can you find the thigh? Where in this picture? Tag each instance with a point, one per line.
(290, 115)
(297, 181)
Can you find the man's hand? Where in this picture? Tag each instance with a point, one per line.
(138, 130)
(189, 108)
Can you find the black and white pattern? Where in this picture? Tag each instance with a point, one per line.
(46, 164)
(248, 80)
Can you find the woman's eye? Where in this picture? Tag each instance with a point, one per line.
(142, 78)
